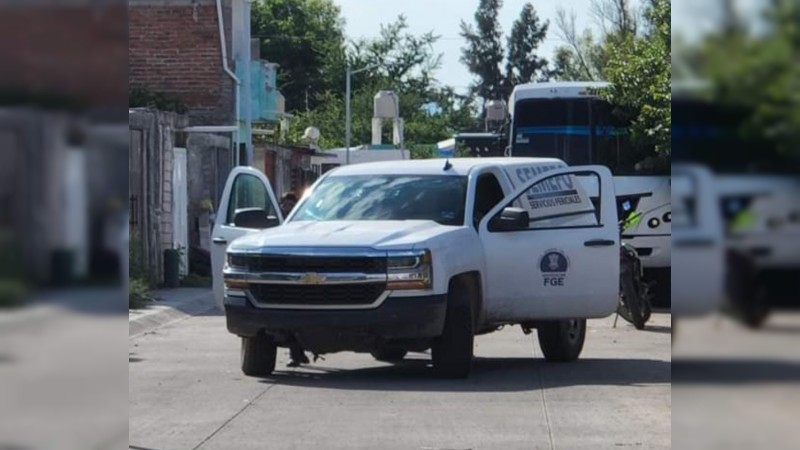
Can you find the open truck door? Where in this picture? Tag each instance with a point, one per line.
(698, 254)
(562, 227)
(248, 205)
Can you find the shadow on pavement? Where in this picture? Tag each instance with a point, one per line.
(488, 375)
(213, 312)
(657, 329)
(734, 371)
(107, 301)
(789, 330)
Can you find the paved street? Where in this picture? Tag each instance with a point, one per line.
(186, 391)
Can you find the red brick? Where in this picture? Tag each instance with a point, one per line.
(172, 53)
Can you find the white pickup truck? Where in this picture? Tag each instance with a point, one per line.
(404, 256)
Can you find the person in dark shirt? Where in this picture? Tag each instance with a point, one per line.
(288, 200)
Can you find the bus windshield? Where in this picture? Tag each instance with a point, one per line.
(576, 130)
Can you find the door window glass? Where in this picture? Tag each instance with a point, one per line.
(562, 201)
(248, 192)
(488, 193)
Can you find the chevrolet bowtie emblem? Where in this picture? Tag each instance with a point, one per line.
(312, 278)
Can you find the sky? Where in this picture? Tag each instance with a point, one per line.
(364, 17)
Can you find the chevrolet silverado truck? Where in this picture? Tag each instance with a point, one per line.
(392, 257)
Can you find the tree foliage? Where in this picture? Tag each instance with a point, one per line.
(523, 65)
(757, 73)
(402, 62)
(639, 72)
(633, 54)
(584, 56)
(306, 38)
(484, 53)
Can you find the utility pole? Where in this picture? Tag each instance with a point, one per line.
(347, 115)
(248, 110)
(347, 120)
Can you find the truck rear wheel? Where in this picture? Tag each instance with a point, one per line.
(389, 355)
(562, 340)
(452, 352)
(258, 355)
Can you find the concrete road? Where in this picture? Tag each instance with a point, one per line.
(63, 378)
(187, 392)
(736, 388)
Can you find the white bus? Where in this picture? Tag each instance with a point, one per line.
(566, 120)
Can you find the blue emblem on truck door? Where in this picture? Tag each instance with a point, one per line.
(554, 266)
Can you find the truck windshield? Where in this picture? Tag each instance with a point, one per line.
(440, 198)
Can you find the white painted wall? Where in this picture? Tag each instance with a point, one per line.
(180, 207)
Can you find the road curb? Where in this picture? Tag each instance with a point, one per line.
(167, 311)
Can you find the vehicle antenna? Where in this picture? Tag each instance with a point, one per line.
(447, 165)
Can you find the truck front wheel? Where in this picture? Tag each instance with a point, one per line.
(258, 355)
(562, 340)
(452, 351)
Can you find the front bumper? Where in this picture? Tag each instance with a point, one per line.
(395, 318)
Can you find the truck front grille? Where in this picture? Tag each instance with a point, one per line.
(302, 264)
(317, 295)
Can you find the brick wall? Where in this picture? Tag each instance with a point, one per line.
(174, 48)
(76, 49)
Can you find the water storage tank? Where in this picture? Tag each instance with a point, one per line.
(495, 110)
(386, 105)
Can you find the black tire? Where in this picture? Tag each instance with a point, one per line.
(258, 355)
(631, 295)
(452, 352)
(562, 340)
(757, 310)
(389, 354)
(748, 293)
(648, 312)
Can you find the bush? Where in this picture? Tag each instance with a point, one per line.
(138, 294)
(13, 293)
(136, 265)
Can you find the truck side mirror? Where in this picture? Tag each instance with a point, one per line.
(256, 218)
(510, 219)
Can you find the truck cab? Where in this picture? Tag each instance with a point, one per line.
(400, 256)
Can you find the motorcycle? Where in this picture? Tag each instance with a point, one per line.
(634, 292)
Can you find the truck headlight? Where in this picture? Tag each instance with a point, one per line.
(410, 270)
(234, 262)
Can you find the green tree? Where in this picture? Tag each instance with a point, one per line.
(639, 73)
(584, 57)
(523, 64)
(406, 64)
(757, 73)
(306, 38)
(484, 53)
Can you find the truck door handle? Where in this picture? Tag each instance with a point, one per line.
(599, 243)
(219, 240)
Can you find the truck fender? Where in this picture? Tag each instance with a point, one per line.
(474, 281)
